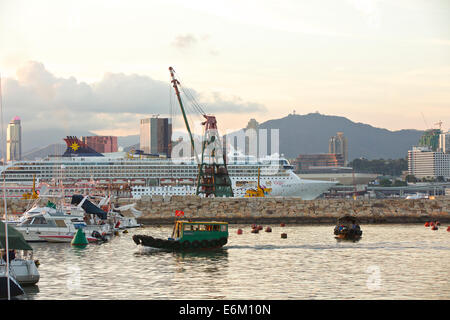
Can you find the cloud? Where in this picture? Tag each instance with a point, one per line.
(184, 41)
(117, 101)
(189, 41)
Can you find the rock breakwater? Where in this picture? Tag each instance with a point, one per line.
(159, 210)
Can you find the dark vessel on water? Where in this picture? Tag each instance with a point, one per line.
(347, 228)
(189, 235)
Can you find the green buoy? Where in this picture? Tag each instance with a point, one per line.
(79, 239)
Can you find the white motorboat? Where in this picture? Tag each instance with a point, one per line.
(49, 224)
(23, 269)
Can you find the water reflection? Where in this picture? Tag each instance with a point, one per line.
(390, 262)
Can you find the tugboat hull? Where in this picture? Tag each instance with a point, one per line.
(174, 245)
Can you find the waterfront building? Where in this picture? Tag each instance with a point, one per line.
(101, 144)
(339, 145)
(14, 140)
(444, 142)
(156, 135)
(423, 162)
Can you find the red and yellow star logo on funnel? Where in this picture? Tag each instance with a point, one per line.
(75, 146)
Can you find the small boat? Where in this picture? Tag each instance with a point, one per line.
(22, 267)
(347, 228)
(188, 235)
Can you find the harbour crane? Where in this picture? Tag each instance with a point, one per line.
(213, 178)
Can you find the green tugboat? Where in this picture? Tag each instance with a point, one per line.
(189, 235)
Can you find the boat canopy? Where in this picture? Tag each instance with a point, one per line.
(88, 206)
(16, 240)
(348, 219)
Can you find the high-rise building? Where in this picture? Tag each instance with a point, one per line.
(156, 135)
(430, 138)
(252, 138)
(338, 145)
(14, 140)
(444, 142)
(101, 144)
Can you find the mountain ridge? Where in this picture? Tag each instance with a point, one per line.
(299, 134)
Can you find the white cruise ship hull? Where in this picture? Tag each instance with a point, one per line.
(290, 186)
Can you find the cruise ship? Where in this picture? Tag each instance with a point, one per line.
(153, 175)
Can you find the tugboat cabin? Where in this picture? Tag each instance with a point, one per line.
(192, 231)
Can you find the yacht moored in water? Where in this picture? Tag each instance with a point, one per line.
(52, 224)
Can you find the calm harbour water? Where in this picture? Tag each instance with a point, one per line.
(389, 262)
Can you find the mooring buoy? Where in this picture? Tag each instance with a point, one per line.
(79, 239)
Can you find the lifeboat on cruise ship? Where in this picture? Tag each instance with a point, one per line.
(185, 181)
(168, 182)
(347, 228)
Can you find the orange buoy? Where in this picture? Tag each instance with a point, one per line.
(239, 231)
(427, 224)
(260, 227)
(437, 223)
(448, 228)
(434, 227)
(282, 225)
(255, 230)
(253, 226)
(283, 235)
(268, 229)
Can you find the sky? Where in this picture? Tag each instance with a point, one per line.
(103, 65)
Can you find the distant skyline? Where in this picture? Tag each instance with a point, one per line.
(102, 65)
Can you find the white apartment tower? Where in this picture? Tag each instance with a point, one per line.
(424, 163)
(444, 142)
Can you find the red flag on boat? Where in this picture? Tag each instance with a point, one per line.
(179, 213)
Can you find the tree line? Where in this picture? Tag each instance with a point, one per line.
(390, 167)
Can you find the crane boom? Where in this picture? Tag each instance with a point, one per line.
(175, 84)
